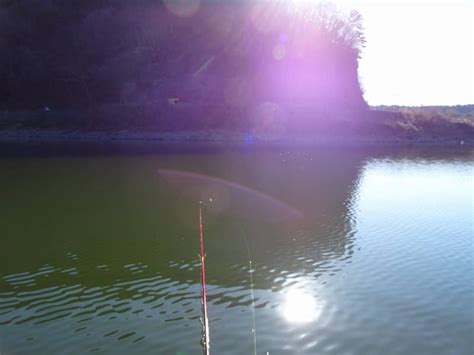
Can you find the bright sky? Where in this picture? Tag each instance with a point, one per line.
(418, 52)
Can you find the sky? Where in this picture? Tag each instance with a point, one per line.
(417, 52)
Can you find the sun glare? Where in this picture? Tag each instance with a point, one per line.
(300, 307)
(399, 62)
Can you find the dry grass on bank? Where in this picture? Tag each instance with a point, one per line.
(432, 122)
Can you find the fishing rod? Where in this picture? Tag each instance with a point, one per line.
(204, 320)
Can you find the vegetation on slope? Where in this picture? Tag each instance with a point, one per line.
(157, 63)
(428, 121)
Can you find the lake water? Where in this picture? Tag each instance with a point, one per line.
(352, 251)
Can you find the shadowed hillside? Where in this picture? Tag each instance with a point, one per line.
(154, 64)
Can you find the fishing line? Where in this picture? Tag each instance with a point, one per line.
(205, 321)
(254, 329)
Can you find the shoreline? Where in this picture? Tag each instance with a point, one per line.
(218, 138)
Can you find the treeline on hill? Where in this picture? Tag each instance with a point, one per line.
(178, 64)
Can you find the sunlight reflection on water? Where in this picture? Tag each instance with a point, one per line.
(300, 307)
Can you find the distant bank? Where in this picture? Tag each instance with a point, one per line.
(383, 125)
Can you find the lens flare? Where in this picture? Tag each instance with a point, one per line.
(182, 8)
(279, 51)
